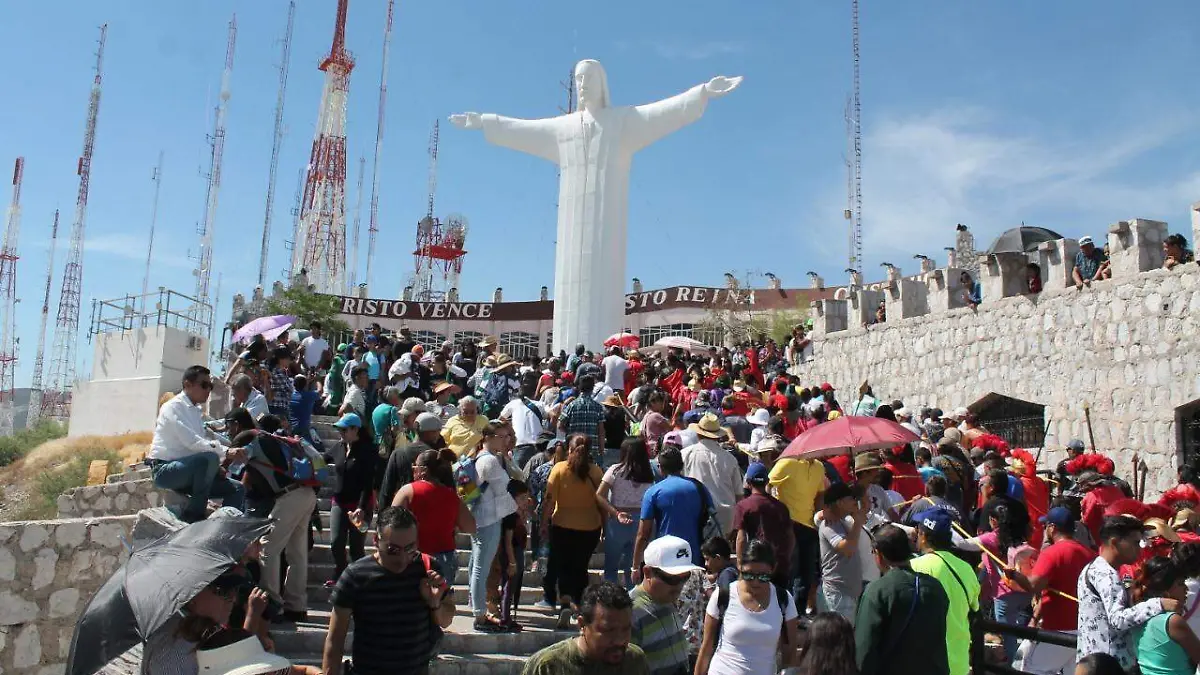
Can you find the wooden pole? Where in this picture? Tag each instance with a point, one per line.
(1087, 416)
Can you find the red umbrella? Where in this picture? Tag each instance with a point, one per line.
(625, 340)
(848, 434)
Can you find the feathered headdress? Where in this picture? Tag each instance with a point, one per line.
(1180, 496)
(1096, 462)
(1023, 462)
(991, 442)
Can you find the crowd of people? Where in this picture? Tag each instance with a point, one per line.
(723, 553)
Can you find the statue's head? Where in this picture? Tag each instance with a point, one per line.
(591, 84)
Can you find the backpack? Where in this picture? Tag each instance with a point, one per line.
(305, 464)
(466, 481)
(709, 525)
(493, 390)
(723, 604)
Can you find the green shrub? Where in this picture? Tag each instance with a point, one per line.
(49, 484)
(19, 444)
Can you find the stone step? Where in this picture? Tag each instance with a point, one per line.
(318, 595)
(463, 543)
(454, 664)
(320, 566)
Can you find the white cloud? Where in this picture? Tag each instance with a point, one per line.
(130, 247)
(924, 173)
(683, 50)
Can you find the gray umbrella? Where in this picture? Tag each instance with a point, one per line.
(1023, 239)
(153, 584)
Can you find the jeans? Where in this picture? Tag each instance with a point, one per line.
(289, 535)
(344, 531)
(196, 477)
(838, 600)
(484, 544)
(448, 563)
(609, 457)
(806, 559)
(567, 567)
(1014, 610)
(618, 550)
(521, 455)
(510, 587)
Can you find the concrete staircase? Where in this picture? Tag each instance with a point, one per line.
(463, 651)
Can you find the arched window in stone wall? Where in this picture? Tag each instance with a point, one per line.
(1187, 431)
(430, 340)
(519, 344)
(1021, 423)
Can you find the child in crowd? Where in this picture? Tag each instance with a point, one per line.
(511, 558)
(718, 563)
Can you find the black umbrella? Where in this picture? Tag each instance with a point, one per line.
(153, 584)
(1023, 239)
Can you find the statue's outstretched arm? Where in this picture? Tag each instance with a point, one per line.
(534, 137)
(652, 121)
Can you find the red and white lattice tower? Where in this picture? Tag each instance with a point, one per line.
(200, 319)
(39, 357)
(8, 296)
(322, 235)
(373, 222)
(56, 401)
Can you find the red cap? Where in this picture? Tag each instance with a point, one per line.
(827, 387)
(568, 377)
(418, 350)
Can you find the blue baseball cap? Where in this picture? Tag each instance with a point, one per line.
(937, 522)
(349, 420)
(1059, 516)
(757, 474)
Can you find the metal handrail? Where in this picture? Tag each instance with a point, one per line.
(979, 663)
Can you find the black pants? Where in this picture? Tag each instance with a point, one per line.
(521, 455)
(344, 532)
(567, 565)
(806, 563)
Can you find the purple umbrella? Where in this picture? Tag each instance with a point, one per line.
(270, 327)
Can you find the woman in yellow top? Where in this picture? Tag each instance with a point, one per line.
(571, 513)
(464, 431)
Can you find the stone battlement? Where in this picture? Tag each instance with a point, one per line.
(1127, 347)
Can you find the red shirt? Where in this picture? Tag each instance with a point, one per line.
(436, 510)
(905, 479)
(842, 464)
(1062, 564)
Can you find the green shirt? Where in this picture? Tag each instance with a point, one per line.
(1157, 652)
(891, 633)
(564, 658)
(384, 417)
(955, 576)
(657, 630)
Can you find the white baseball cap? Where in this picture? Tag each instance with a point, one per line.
(1084, 240)
(670, 554)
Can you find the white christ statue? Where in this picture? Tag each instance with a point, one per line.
(593, 149)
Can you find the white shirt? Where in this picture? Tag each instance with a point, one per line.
(357, 399)
(256, 405)
(314, 349)
(1189, 608)
(179, 432)
(614, 371)
(495, 503)
(717, 470)
(526, 424)
(1106, 621)
(749, 639)
(601, 392)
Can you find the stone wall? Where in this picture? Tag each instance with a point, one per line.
(1129, 347)
(48, 572)
(117, 498)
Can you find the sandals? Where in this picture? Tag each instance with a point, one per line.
(488, 624)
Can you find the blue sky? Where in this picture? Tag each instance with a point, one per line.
(1070, 115)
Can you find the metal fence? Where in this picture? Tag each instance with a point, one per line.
(979, 664)
(160, 308)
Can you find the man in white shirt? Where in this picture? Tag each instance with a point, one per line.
(711, 464)
(615, 367)
(246, 396)
(314, 348)
(528, 420)
(184, 458)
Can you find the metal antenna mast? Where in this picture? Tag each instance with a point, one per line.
(433, 159)
(157, 178)
(8, 295)
(283, 75)
(353, 271)
(373, 223)
(35, 389)
(856, 244)
(201, 315)
(57, 403)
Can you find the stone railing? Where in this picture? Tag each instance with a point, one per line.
(48, 571)
(114, 499)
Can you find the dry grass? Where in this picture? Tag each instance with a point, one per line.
(52, 454)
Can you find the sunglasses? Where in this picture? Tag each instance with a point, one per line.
(407, 549)
(670, 579)
(763, 578)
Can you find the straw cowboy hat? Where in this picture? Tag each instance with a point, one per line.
(708, 427)
(505, 361)
(490, 361)
(613, 401)
(868, 461)
(444, 386)
(487, 341)
(767, 444)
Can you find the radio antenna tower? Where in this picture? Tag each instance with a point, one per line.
(433, 156)
(35, 389)
(856, 232)
(157, 178)
(353, 272)
(56, 402)
(373, 223)
(440, 245)
(283, 75)
(322, 237)
(201, 316)
(8, 295)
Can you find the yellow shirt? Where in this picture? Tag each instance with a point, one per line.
(796, 483)
(462, 437)
(575, 505)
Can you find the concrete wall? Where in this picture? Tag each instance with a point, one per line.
(1128, 346)
(48, 572)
